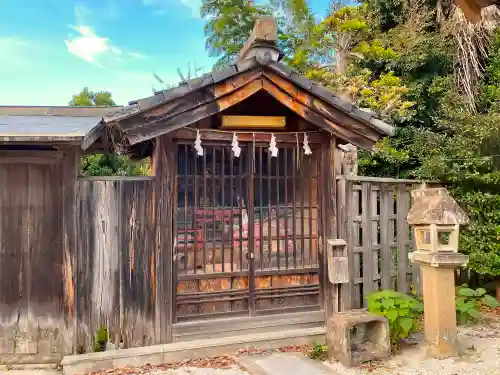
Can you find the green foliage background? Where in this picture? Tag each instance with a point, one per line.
(401, 58)
(110, 164)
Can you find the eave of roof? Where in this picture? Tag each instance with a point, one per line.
(79, 130)
(164, 96)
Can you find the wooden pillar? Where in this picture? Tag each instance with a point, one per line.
(332, 292)
(164, 170)
(70, 170)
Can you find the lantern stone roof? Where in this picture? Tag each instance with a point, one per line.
(435, 206)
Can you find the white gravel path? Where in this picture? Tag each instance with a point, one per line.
(481, 346)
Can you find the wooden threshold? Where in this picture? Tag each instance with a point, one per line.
(201, 329)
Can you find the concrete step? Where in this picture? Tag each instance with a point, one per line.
(283, 364)
(180, 351)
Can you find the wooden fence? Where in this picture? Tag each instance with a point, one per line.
(372, 219)
(115, 281)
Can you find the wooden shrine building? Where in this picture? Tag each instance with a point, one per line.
(234, 222)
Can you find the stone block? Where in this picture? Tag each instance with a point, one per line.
(357, 336)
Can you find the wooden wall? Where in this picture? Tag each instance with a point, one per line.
(33, 328)
(116, 261)
(77, 255)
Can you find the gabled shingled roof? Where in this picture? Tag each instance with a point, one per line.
(164, 96)
(257, 69)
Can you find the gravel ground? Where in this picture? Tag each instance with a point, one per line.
(201, 371)
(481, 356)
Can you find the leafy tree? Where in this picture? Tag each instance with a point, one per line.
(420, 65)
(229, 24)
(87, 98)
(110, 164)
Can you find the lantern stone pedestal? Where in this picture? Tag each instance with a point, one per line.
(436, 218)
(438, 279)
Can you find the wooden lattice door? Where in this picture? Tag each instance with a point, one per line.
(246, 232)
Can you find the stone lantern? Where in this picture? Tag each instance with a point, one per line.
(436, 218)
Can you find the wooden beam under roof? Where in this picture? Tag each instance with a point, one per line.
(198, 113)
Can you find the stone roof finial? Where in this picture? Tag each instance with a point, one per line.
(262, 42)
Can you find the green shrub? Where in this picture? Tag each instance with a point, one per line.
(319, 352)
(469, 303)
(402, 312)
(100, 339)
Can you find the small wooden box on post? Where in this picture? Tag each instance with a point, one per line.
(436, 218)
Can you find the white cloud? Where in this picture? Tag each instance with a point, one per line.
(161, 7)
(88, 46)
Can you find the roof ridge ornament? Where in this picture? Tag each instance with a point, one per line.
(261, 43)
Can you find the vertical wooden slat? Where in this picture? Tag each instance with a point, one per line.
(195, 224)
(402, 237)
(278, 237)
(251, 226)
(223, 206)
(323, 180)
(242, 202)
(186, 184)
(331, 216)
(165, 176)
(231, 196)
(204, 184)
(415, 268)
(352, 210)
(214, 219)
(366, 224)
(342, 225)
(373, 225)
(70, 171)
(385, 247)
(269, 205)
(261, 209)
(294, 208)
(285, 179)
(302, 194)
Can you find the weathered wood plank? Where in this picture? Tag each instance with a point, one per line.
(366, 224)
(172, 108)
(137, 256)
(70, 169)
(386, 193)
(245, 136)
(32, 305)
(30, 157)
(402, 209)
(319, 106)
(161, 127)
(164, 256)
(97, 261)
(315, 118)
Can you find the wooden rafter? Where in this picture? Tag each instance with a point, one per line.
(196, 114)
(191, 100)
(203, 103)
(315, 118)
(320, 107)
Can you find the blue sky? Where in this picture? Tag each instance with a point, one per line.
(51, 49)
